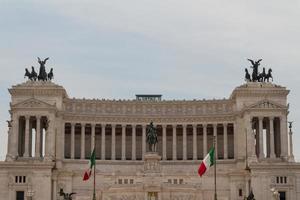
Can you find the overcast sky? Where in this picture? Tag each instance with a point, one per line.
(190, 49)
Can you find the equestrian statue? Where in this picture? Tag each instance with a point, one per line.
(152, 137)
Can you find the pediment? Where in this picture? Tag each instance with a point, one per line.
(266, 104)
(33, 103)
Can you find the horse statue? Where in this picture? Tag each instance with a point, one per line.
(50, 74)
(255, 65)
(262, 76)
(42, 73)
(247, 75)
(152, 137)
(27, 74)
(33, 74)
(66, 196)
(269, 75)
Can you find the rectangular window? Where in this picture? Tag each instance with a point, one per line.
(169, 181)
(282, 195)
(24, 179)
(120, 181)
(131, 181)
(281, 179)
(180, 181)
(285, 180)
(175, 181)
(126, 181)
(240, 192)
(16, 179)
(20, 195)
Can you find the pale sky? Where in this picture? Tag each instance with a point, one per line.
(190, 49)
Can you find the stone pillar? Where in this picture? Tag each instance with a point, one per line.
(174, 142)
(195, 142)
(272, 144)
(184, 140)
(15, 135)
(261, 138)
(113, 141)
(50, 140)
(123, 142)
(204, 140)
(144, 139)
(93, 137)
(82, 150)
(72, 140)
(26, 151)
(215, 127)
(103, 141)
(225, 141)
(283, 137)
(38, 137)
(133, 150)
(164, 142)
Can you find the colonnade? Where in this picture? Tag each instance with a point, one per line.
(27, 137)
(270, 136)
(132, 135)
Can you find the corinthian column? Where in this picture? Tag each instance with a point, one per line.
(194, 141)
(164, 141)
(215, 126)
(26, 152)
(272, 144)
(283, 137)
(133, 150)
(143, 139)
(113, 142)
(204, 140)
(184, 145)
(103, 141)
(72, 140)
(261, 138)
(225, 141)
(123, 142)
(174, 142)
(38, 137)
(93, 137)
(82, 153)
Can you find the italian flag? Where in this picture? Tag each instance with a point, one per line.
(88, 172)
(207, 162)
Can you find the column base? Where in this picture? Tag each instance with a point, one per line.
(10, 158)
(291, 158)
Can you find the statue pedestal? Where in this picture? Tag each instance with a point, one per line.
(152, 163)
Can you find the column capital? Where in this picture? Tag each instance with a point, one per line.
(103, 125)
(133, 125)
(83, 124)
(184, 125)
(38, 116)
(113, 125)
(174, 125)
(27, 116)
(164, 125)
(260, 118)
(93, 124)
(271, 118)
(225, 124)
(204, 125)
(123, 125)
(215, 125)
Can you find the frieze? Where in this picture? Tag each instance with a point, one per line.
(145, 120)
(136, 108)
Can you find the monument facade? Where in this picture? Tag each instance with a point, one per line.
(51, 137)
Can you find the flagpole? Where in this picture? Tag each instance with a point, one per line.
(94, 189)
(215, 168)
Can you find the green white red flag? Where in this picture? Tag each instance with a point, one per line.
(88, 172)
(207, 162)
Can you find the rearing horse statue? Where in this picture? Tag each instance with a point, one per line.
(152, 137)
